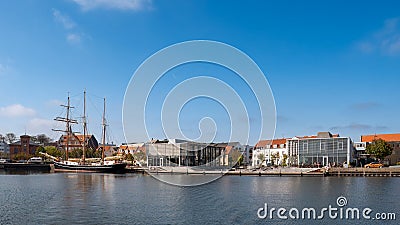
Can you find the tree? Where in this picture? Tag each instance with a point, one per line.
(43, 139)
(39, 149)
(261, 157)
(51, 150)
(379, 148)
(234, 157)
(284, 160)
(139, 156)
(76, 153)
(91, 153)
(22, 156)
(129, 157)
(10, 137)
(274, 157)
(2, 138)
(34, 139)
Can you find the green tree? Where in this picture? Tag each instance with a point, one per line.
(261, 157)
(284, 160)
(91, 153)
(75, 153)
(379, 148)
(51, 150)
(274, 157)
(22, 156)
(39, 149)
(129, 157)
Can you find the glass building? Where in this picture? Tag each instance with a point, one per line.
(321, 150)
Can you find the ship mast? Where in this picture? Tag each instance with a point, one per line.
(84, 128)
(68, 121)
(104, 132)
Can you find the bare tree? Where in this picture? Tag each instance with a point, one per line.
(43, 139)
(10, 137)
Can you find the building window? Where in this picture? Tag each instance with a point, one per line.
(305, 146)
(340, 145)
(323, 144)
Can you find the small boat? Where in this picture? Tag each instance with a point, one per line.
(86, 165)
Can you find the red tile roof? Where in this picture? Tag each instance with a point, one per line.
(385, 137)
(263, 143)
(228, 149)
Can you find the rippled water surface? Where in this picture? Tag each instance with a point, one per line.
(63, 198)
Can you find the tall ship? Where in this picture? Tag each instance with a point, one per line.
(85, 164)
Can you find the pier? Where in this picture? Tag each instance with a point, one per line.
(277, 172)
(364, 172)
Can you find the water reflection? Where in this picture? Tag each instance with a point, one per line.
(64, 198)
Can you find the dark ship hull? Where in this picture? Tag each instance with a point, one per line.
(114, 168)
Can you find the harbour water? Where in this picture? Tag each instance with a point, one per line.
(67, 198)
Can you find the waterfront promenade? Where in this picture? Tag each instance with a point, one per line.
(284, 171)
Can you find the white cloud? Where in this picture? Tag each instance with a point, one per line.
(359, 126)
(41, 126)
(386, 40)
(63, 19)
(16, 110)
(134, 5)
(4, 69)
(73, 38)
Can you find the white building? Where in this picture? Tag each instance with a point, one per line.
(130, 148)
(270, 152)
(4, 147)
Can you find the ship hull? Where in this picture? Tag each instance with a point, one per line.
(25, 167)
(115, 168)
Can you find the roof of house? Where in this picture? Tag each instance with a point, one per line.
(19, 143)
(320, 135)
(78, 136)
(263, 143)
(133, 147)
(128, 147)
(228, 149)
(385, 137)
(108, 147)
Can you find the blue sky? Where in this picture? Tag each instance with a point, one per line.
(332, 65)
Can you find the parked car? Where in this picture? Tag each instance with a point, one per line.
(374, 165)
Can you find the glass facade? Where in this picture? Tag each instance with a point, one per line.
(319, 151)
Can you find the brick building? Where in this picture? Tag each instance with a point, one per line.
(76, 142)
(24, 145)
